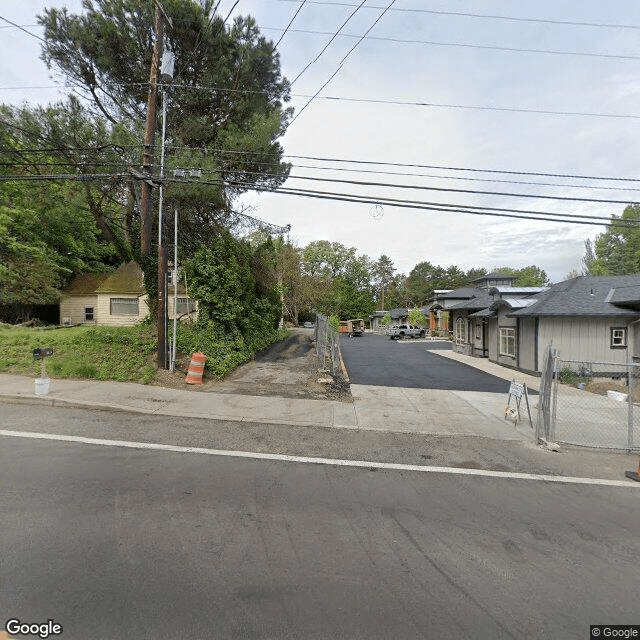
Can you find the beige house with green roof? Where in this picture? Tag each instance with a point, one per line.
(116, 299)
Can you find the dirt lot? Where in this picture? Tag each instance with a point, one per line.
(288, 369)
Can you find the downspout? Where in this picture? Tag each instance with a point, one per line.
(535, 343)
(518, 343)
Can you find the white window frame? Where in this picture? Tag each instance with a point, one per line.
(618, 337)
(507, 341)
(124, 303)
(460, 331)
(92, 313)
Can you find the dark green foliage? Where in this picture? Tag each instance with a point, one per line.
(531, 276)
(616, 252)
(239, 308)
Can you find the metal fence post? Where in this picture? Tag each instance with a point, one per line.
(630, 389)
(554, 406)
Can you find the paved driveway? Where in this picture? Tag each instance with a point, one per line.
(376, 360)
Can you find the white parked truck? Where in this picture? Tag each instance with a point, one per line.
(405, 331)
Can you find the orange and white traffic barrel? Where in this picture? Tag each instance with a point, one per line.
(196, 368)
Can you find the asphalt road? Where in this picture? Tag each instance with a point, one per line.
(119, 543)
(376, 360)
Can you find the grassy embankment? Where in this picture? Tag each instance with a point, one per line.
(125, 354)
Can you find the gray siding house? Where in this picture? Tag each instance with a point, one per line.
(589, 319)
(474, 320)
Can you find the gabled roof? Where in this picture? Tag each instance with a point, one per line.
(495, 276)
(127, 279)
(512, 304)
(85, 284)
(524, 291)
(480, 300)
(628, 296)
(394, 313)
(462, 293)
(589, 296)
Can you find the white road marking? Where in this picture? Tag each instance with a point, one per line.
(325, 461)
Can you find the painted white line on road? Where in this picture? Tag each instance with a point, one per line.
(325, 461)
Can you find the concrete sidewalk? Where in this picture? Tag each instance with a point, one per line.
(373, 408)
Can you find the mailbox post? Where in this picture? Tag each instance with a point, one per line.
(41, 354)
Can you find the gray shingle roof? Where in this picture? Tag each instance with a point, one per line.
(481, 300)
(583, 296)
(394, 313)
(462, 293)
(628, 296)
(495, 276)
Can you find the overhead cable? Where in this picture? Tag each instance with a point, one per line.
(332, 76)
(290, 23)
(483, 15)
(333, 37)
(355, 198)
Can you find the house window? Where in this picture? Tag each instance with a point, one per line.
(618, 337)
(88, 314)
(507, 341)
(478, 330)
(124, 306)
(185, 305)
(459, 331)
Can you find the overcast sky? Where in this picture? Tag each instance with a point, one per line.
(484, 95)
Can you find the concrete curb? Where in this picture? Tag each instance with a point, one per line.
(74, 404)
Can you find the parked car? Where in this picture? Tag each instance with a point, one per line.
(405, 331)
(309, 325)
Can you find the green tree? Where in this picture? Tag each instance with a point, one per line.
(531, 276)
(386, 320)
(383, 271)
(423, 279)
(337, 280)
(616, 252)
(231, 133)
(417, 318)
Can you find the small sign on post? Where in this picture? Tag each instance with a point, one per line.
(517, 391)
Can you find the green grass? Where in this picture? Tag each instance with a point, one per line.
(101, 353)
(126, 354)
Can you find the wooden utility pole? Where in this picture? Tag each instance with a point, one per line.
(146, 200)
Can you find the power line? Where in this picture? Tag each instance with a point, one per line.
(436, 43)
(290, 23)
(355, 198)
(333, 37)
(332, 76)
(483, 15)
(229, 169)
(454, 208)
(461, 14)
(455, 168)
(362, 183)
(349, 161)
(17, 26)
(439, 105)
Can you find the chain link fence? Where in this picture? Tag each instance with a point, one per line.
(593, 404)
(327, 345)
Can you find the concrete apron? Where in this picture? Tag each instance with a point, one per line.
(426, 411)
(433, 411)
